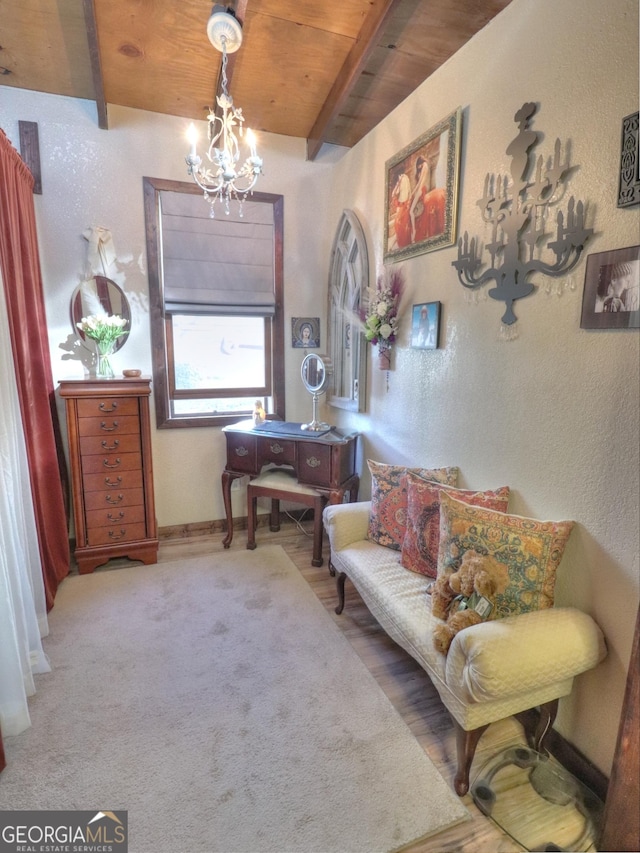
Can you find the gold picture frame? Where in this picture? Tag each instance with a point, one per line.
(421, 192)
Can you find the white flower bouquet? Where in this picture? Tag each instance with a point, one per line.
(381, 317)
(104, 329)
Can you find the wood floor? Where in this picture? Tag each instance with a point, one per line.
(402, 679)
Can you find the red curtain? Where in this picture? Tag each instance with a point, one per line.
(20, 265)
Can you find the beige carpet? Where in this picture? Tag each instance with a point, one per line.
(216, 701)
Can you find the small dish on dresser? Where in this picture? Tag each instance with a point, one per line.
(131, 374)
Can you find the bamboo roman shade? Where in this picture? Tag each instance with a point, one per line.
(217, 266)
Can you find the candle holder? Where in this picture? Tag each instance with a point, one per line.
(516, 209)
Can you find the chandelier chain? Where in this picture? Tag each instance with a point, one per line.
(223, 39)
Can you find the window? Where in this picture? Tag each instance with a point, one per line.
(216, 306)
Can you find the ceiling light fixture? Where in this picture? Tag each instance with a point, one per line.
(222, 181)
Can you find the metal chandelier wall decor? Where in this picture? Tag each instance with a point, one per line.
(516, 209)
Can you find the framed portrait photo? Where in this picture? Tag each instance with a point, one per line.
(421, 192)
(611, 298)
(425, 325)
(305, 332)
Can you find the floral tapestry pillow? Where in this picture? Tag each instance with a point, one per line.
(422, 533)
(388, 516)
(521, 554)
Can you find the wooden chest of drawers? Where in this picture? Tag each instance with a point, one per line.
(111, 470)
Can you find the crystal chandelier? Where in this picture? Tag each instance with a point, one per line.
(222, 179)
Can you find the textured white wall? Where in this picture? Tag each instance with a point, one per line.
(94, 177)
(553, 414)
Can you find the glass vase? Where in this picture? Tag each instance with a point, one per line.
(104, 369)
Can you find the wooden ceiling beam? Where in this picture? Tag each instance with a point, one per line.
(96, 65)
(347, 77)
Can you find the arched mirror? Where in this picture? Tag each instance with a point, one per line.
(348, 281)
(316, 371)
(99, 295)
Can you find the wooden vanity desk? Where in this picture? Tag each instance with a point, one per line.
(326, 461)
(111, 471)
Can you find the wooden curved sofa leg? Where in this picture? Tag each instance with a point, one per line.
(466, 742)
(536, 736)
(340, 585)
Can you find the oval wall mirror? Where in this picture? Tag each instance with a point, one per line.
(99, 295)
(316, 371)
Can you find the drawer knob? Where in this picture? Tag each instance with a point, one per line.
(114, 535)
(108, 482)
(242, 451)
(113, 446)
(116, 500)
(104, 408)
(119, 518)
(313, 462)
(108, 464)
(276, 448)
(103, 425)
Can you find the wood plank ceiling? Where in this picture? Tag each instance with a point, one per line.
(322, 71)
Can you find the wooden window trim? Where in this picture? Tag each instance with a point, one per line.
(165, 418)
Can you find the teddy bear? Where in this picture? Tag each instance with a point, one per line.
(449, 590)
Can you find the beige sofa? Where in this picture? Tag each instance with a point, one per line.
(492, 670)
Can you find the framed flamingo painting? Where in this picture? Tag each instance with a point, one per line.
(421, 192)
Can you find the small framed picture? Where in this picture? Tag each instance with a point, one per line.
(425, 325)
(305, 332)
(611, 298)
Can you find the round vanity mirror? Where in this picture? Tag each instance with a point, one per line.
(99, 295)
(316, 374)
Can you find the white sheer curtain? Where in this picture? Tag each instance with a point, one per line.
(23, 613)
